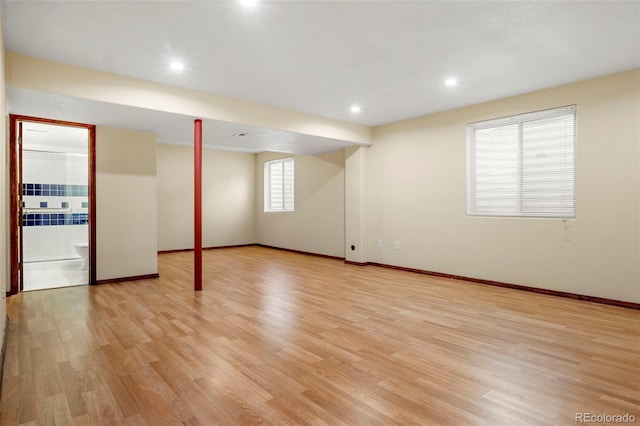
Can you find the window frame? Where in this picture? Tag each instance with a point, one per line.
(268, 185)
(520, 120)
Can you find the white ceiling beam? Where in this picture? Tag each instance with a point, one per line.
(41, 75)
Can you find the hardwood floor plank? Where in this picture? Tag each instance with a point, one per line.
(74, 385)
(83, 420)
(287, 339)
(10, 412)
(273, 381)
(428, 406)
(153, 395)
(341, 404)
(297, 410)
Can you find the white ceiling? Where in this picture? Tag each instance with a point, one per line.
(54, 138)
(320, 57)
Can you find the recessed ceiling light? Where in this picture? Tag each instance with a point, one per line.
(355, 109)
(451, 82)
(249, 3)
(177, 66)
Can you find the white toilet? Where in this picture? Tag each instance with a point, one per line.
(83, 250)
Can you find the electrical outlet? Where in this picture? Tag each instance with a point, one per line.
(379, 243)
(396, 245)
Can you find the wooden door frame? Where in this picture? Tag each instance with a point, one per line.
(14, 174)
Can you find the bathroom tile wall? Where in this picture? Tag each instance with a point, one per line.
(45, 243)
(55, 197)
(55, 179)
(52, 197)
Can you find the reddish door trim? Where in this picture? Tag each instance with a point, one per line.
(14, 197)
(15, 172)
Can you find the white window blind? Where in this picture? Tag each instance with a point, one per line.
(279, 185)
(523, 165)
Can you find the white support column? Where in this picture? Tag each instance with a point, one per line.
(354, 177)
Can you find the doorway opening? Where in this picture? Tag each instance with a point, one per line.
(52, 172)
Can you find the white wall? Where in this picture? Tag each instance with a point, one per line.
(228, 198)
(416, 190)
(5, 279)
(317, 225)
(126, 203)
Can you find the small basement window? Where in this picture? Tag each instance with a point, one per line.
(279, 185)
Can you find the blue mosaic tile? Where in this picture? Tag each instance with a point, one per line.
(54, 190)
(55, 219)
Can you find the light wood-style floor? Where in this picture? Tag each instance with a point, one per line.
(283, 338)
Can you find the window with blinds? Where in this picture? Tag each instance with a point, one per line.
(278, 185)
(523, 165)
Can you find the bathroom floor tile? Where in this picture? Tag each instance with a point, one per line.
(55, 274)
